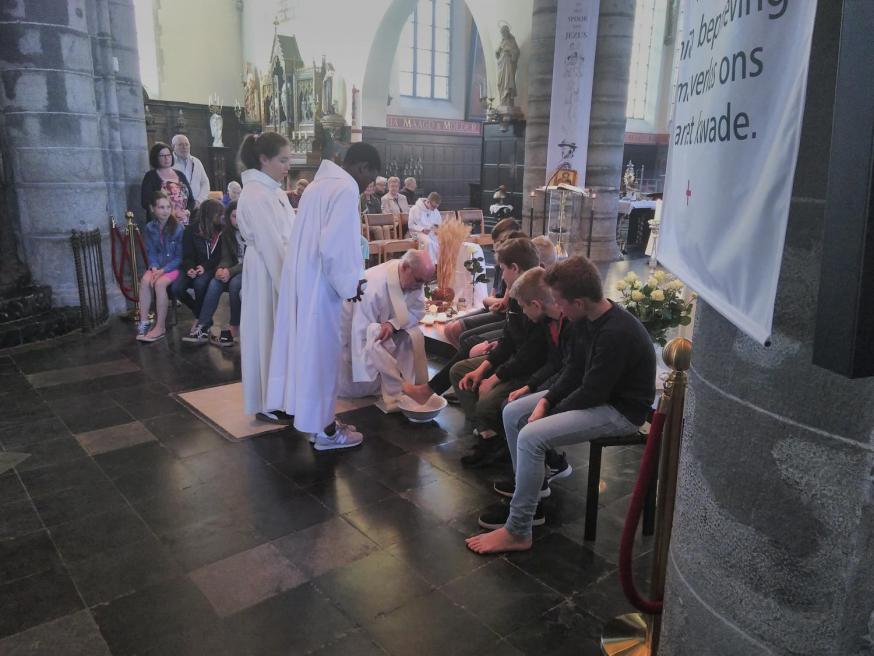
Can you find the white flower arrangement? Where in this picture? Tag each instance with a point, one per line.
(659, 303)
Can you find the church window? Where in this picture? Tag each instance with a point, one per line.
(424, 51)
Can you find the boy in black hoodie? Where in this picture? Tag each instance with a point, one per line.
(483, 383)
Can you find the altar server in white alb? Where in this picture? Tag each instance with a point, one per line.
(382, 344)
(424, 220)
(322, 268)
(264, 218)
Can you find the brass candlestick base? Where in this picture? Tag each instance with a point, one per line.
(625, 636)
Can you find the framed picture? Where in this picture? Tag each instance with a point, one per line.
(566, 176)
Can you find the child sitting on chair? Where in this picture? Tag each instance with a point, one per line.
(163, 237)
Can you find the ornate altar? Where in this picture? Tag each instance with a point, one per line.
(304, 103)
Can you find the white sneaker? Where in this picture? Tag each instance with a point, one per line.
(343, 438)
(340, 426)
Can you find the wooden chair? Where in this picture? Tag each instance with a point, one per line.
(216, 195)
(447, 216)
(403, 222)
(388, 224)
(398, 247)
(596, 446)
(475, 219)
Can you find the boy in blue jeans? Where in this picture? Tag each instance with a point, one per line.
(606, 388)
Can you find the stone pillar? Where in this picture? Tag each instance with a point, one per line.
(61, 120)
(607, 125)
(539, 96)
(773, 543)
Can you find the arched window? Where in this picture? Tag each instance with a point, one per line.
(424, 51)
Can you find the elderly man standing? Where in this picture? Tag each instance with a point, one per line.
(382, 345)
(192, 168)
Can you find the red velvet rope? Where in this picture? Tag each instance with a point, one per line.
(648, 465)
(121, 241)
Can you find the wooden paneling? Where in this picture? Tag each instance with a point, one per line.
(503, 163)
(449, 162)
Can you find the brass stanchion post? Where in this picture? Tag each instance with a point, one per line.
(636, 634)
(132, 232)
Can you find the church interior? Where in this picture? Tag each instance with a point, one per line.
(538, 216)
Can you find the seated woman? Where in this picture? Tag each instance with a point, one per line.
(424, 221)
(228, 278)
(368, 202)
(294, 196)
(394, 202)
(201, 253)
(162, 176)
(163, 240)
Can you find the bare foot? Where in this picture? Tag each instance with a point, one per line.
(497, 541)
(419, 393)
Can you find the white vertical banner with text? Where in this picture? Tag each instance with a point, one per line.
(573, 67)
(738, 104)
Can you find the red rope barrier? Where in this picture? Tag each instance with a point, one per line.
(648, 465)
(122, 240)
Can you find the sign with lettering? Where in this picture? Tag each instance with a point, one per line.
(418, 124)
(573, 69)
(738, 100)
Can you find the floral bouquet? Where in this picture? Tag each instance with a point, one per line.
(658, 303)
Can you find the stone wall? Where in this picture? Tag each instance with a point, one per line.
(71, 117)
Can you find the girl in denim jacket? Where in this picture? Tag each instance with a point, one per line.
(163, 237)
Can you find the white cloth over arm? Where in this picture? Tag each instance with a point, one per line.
(264, 218)
(322, 268)
(197, 178)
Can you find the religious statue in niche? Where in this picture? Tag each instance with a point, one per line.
(355, 92)
(328, 90)
(508, 60)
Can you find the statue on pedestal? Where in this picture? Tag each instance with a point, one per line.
(508, 59)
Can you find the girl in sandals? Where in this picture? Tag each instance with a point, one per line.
(163, 237)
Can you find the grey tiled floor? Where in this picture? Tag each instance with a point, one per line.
(134, 528)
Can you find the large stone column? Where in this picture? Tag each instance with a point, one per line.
(773, 543)
(539, 96)
(607, 125)
(67, 124)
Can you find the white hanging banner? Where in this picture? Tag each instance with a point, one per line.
(738, 103)
(573, 67)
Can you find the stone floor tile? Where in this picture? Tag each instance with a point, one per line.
(281, 517)
(65, 476)
(326, 546)
(82, 373)
(51, 452)
(27, 555)
(73, 635)
(210, 540)
(566, 630)
(438, 554)
(502, 596)
(83, 419)
(33, 600)
(349, 491)
(405, 472)
(136, 622)
(18, 518)
(97, 533)
(448, 497)
(246, 579)
(77, 503)
(114, 438)
(431, 625)
(372, 586)
(390, 521)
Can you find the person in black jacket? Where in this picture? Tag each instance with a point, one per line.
(163, 177)
(201, 254)
(606, 388)
(483, 383)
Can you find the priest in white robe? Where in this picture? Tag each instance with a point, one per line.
(322, 268)
(382, 344)
(423, 222)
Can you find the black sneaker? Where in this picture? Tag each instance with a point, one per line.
(496, 516)
(557, 466)
(507, 488)
(198, 336)
(486, 452)
(223, 340)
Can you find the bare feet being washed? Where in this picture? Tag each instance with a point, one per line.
(419, 393)
(497, 541)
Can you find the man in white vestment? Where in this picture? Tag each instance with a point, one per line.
(192, 167)
(322, 267)
(382, 346)
(424, 219)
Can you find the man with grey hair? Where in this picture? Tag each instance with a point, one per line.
(192, 168)
(379, 186)
(382, 346)
(409, 191)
